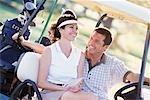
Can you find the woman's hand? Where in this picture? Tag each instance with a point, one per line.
(75, 85)
(15, 37)
(75, 88)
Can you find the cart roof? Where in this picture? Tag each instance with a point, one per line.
(119, 9)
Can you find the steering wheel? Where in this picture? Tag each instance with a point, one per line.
(128, 92)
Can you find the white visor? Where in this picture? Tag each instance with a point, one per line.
(67, 22)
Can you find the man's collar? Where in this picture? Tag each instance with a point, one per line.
(102, 60)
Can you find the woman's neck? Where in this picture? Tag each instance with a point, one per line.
(66, 47)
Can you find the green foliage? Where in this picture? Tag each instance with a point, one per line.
(6, 12)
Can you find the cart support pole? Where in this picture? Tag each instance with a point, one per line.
(48, 19)
(143, 66)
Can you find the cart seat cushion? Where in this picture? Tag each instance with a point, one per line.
(28, 67)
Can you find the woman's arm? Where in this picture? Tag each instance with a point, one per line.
(76, 87)
(80, 66)
(45, 63)
(36, 47)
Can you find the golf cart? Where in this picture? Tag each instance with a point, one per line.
(112, 10)
(127, 11)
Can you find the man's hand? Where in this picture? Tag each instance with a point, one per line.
(147, 81)
(134, 77)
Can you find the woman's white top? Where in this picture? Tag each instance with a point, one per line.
(63, 69)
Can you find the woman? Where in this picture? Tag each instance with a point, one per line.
(51, 75)
(53, 37)
(61, 62)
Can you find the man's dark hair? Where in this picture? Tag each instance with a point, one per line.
(106, 33)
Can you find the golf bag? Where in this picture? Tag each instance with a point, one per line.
(11, 50)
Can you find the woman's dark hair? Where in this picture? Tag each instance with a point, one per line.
(55, 30)
(63, 18)
(69, 11)
(106, 33)
(53, 26)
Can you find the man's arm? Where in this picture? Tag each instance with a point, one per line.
(134, 77)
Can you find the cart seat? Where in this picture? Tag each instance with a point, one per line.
(27, 72)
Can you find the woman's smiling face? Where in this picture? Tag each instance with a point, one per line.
(70, 31)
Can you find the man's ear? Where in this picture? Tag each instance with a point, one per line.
(105, 47)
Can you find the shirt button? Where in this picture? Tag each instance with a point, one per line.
(89, 78)
(90, 74)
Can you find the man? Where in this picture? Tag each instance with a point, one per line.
(102, 71)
